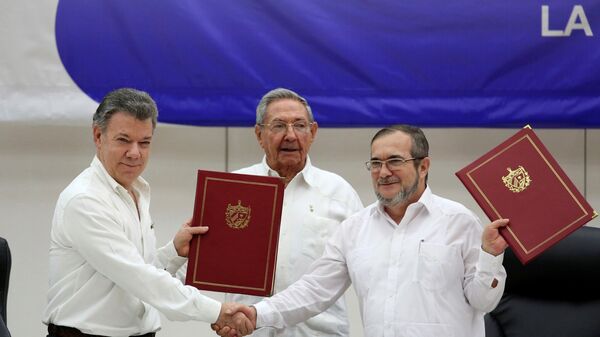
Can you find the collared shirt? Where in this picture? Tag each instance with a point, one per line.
(106, 276)
(426, 276)
(315, 202)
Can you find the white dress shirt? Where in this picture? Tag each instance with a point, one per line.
(424, 277)
(315, 202)
(106, 276)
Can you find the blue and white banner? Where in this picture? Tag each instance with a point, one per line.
(433, 63)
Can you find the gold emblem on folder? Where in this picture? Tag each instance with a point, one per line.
(237, 216)
(517, 180)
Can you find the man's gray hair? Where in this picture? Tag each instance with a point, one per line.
(276, 95)
(133, 102)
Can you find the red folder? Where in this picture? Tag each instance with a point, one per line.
(238, 254)
(520, 180)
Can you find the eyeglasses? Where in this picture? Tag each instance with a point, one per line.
(280, 126)
(374, 165)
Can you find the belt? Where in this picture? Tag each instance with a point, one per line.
(65, 331)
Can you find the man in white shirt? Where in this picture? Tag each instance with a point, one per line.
(106, 276)
(421, 265)
(315, 203)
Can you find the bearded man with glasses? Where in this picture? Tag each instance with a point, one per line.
(421, 265)
(315, 203)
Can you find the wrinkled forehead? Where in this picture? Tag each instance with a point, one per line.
(127, 124)
(396, 144)
(286, 109)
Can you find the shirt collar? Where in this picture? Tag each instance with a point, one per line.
(139, 184)
(307, 172)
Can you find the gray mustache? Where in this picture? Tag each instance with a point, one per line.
(388, 180)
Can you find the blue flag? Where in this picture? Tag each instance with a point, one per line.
(432, 63)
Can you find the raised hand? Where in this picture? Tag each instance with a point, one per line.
(235, 320)
(491, 240)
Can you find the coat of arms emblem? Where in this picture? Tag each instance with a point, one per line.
(237, 216)
(517, 180)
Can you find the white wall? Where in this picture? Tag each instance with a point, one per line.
(37, 162)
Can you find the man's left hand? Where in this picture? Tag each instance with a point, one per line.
(184, 236)
(491, 240)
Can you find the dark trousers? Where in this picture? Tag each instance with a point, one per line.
(65, 331)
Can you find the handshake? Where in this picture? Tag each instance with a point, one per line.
(235, 320)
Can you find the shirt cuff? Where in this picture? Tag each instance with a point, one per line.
(210, 309)
(174, 261)
(489, 263)
(263, 312)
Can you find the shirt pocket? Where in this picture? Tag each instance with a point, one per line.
(316, 230)
(433, 266)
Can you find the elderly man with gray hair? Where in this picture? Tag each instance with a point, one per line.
(315, 203)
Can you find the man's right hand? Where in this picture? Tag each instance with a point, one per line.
(235, 320)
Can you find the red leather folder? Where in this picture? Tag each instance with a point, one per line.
(238, 254)
(520, 180)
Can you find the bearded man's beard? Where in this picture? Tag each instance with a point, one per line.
(399, 198)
